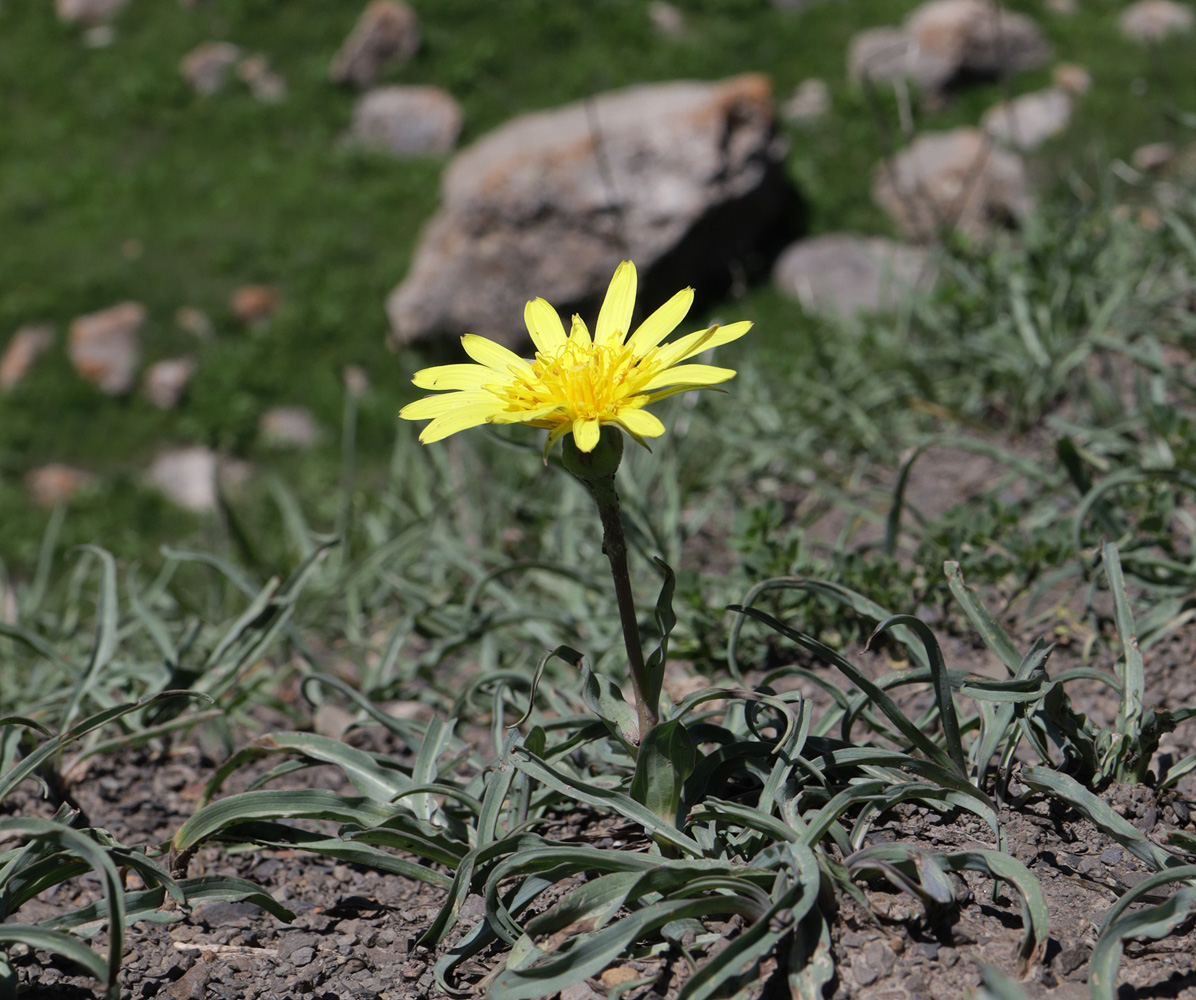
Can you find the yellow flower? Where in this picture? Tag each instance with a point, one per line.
(575, 384)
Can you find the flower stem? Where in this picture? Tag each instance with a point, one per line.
(596, 470)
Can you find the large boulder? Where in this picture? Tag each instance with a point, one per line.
(944, 41)
(955, 179)
(841, 274)
(682, 177)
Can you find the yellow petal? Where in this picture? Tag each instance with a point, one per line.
(579, 333)
(614, 318)
(691, 375)
(454, 377)
(586, 433)
(639, 422)
(493, 356)
(544, 324)
(431, 407)
(459, 420)
(662, 322)
(702, 340)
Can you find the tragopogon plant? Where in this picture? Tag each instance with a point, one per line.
(574, 386)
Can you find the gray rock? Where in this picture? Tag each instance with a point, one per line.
(28, 344)
(841, 274)
(206, 67)
(681, 177)
(387, 32)
(1154, 20)
(87, 12)
(953, 179)
(103, 346)
(809, 102)
(1026, 122)
(944, 40)
(407, 121)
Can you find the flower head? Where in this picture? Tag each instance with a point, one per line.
(575, 383)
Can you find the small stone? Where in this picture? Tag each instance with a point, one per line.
(192, 985)
(187, 476)
(1073, 78)
(1110, 856)
(948, 957)
(667, 19)
(332, 721)
(87, 12)
(99, 37)
(53, 484)
(302, 956)
(253, 305)
(265, 85)
(842, 274)
(165, 382)
(928, 950)
(194, 321)
(1070, 959)
(103, 346)
(880, 956)
(580, 991)
(955, 179)
(809, 102)
(387, 32)
(620, 974)
(407, 121)
(28, 344)
(357, 380)
(289, 427)
(863, 973)
(1152, 157)
(1027, 122)
(1154, 20)
(207, 66)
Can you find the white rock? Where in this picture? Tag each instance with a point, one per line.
(1076, 80)
(841, 274)
(207, 66)
(1152, 157)
(407, 121)
(667, 18)
(187, 476)
(952, 179)
(265, 85)
(195, 322)
(387, 32)
(809, 102)
(165, 382)
(1154, 20)
(104, 349)
(87, 12)
(1026, 122)
(28, 344)
(289, 427)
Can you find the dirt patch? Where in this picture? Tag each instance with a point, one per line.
(355, 930)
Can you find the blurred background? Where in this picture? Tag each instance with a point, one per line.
(205, 205)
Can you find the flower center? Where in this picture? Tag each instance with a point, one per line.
(590, 381)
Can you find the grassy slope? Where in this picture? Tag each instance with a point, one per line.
(104, 147)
